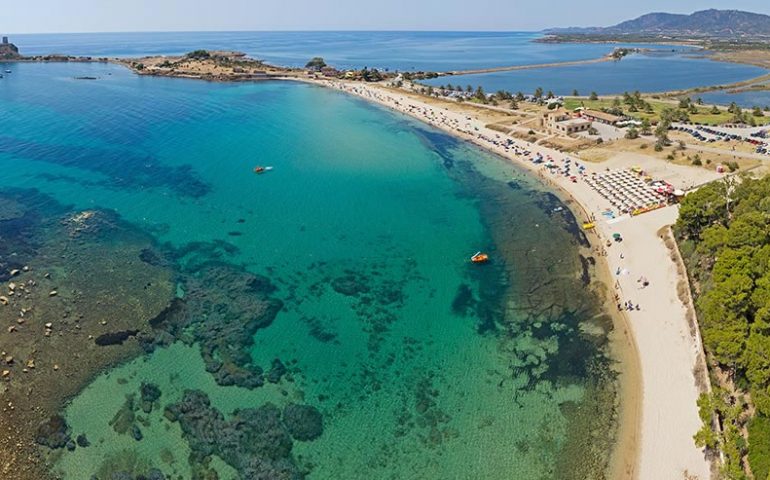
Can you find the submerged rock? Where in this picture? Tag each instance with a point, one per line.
(150, 393)
(351, 284)
(256, 441)
(136, 432)
(222, 309)
(277, 371)
(53, 433)
(123, 420)
(115, 338)
(82, 441)
(304, 422)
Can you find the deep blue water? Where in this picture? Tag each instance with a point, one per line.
(438, 51)
(650, 72)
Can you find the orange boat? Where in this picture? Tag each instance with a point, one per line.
(480, 258)
(259, 170)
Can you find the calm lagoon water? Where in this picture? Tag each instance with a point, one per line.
(462, 372)
(744, 99)
(648, 72)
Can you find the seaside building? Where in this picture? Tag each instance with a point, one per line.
(601, 117)
(559, 121)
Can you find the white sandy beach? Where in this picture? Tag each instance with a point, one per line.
(667, 351)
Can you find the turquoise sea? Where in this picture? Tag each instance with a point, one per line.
(421, 364)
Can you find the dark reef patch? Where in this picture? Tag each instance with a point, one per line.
(319, 330)
(256, 441)
(351, 284)
(304, 422)
(121, 168)
(223, 307)
(53, 433)
(585, 270)
(463, 301)
(197, 255)
(149, 394)
(114, 338)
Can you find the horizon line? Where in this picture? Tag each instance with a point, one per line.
(284, 31)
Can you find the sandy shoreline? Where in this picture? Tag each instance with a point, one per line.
(571, 63)
(658, 443)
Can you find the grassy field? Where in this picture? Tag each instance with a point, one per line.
(704, 115)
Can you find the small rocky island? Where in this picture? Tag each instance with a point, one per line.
(8, 51)
(207, 65)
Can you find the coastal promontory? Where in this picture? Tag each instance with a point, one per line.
(8, 51)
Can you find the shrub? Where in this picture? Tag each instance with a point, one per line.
(759, 447)
(632, 133)
(199, 55)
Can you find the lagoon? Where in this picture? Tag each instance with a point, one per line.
(657, 71)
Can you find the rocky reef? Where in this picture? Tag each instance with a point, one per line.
(67, 278)
(257, 442)
(222, 308)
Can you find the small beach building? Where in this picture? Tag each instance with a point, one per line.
(601, 117)
(559, 121)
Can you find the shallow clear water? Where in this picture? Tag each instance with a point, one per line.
(414, 380)
(648, 72)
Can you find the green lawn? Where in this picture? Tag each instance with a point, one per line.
(704, 115)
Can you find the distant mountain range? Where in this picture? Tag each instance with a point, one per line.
(706, 23)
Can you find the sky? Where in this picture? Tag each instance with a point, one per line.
(64, 16)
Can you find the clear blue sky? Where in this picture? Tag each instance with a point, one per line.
(35, 16)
